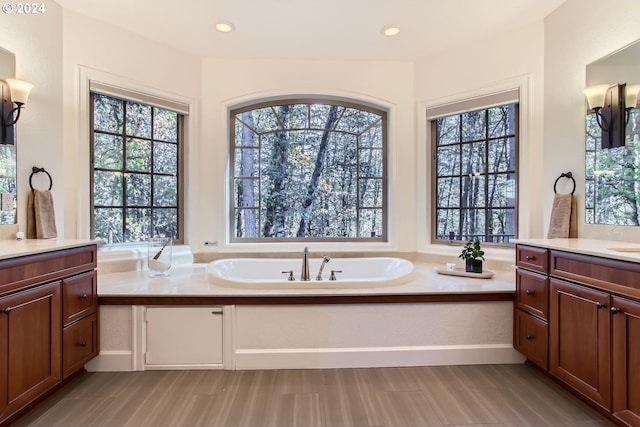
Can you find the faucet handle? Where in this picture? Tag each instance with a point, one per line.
(333, 275)
(290, 273)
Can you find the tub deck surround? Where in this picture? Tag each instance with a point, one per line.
(188, 285)
(429, 320)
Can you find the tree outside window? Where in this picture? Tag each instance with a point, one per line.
(475, 175)
(308, 170)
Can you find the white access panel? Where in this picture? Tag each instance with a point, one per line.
(183, 337)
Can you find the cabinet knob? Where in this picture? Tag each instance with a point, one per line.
(529, 337)
(529, 257)
(6, 310)
(83, 296)
(82, 344)
(528, 292)
(600, 305)
(615, 310)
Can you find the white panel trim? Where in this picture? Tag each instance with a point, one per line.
(367, 357)
(183, 367)
(112, 361)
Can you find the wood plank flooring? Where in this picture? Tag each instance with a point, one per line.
(487, 395)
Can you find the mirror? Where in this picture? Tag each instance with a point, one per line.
(8, 166)
(612, 187)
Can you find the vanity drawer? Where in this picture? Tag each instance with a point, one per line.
(532, 293)
(79, 296)
(536, 259)
(79, 344)
(531, 338)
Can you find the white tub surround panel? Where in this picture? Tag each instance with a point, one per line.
(366, 335)
(430, 320)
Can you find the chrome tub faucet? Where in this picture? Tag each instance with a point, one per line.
(304, 274)
(325, 260)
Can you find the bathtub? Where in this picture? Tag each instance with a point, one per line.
(267, 273)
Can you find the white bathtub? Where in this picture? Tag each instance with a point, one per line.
(265, 273)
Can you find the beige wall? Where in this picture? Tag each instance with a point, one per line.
(480, 68)
(229, 82)
(36, 41)
(57, 50)
(109, 54)
(576, 34)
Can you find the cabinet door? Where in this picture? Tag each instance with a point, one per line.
(579, 342)
(183, 337)
(626, 360)
(31, 357)
(530, 336)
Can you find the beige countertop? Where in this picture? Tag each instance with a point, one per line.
(191, 280)
(623, 251)
(17, 248)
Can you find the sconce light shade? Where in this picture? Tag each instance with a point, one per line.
(19, 90)
(607, 103)
(16, 93)
(631, 96)
(595, 96)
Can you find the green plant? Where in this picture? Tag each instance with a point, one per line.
(472, 251)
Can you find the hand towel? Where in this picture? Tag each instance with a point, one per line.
(41, 220)
(563, 222)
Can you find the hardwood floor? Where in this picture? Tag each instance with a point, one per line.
(487, 395)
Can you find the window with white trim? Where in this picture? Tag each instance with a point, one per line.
(308, 170)
(474, 174)
(136, 157)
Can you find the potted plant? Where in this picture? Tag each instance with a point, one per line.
(473, 255)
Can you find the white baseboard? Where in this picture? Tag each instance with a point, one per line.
(111, 361)
(318, 358)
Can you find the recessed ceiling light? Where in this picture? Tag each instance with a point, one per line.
(390, 30)
(225, 26)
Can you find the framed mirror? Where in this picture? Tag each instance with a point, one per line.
(8, 165)
(612, 187)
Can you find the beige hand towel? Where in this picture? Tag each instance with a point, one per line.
(563, 222)
(41, 220)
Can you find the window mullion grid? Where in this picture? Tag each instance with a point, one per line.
(486, 174)
(152, 225)
(358, 195)
(124, 171)
(460, 163)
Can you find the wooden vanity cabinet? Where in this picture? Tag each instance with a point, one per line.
(625, 335)
(531, 327)
(593, 317)
(580, 338)
(48, 324)
(31, 357)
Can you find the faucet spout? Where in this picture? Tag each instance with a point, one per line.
(325, 260)
(304, 274)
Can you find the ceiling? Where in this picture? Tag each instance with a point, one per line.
(316, 29)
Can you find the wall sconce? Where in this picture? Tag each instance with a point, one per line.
(17, 93)
(607, 102)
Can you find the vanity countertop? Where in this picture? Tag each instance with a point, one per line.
(18, 248)
(623, 251)
(191, 280)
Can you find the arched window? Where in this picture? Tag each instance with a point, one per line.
(308, 169)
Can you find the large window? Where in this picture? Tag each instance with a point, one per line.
(475, 175)
(308, 170)
(136, 157)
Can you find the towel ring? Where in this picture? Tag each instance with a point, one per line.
(565, 175)
(35, 170)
